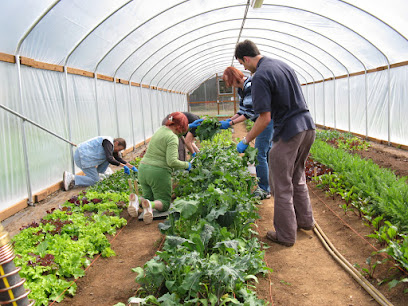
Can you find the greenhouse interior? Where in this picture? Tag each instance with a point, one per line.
(74, 70)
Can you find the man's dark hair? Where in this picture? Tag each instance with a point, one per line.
(121, 142)
(246, 48)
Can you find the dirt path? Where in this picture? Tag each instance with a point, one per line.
(304, 274)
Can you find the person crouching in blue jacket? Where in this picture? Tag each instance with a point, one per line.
(93, 157)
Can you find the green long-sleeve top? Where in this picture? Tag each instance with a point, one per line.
(163, 150)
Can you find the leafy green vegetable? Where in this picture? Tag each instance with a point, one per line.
(61, 244)
(208, 128)
(210, 253)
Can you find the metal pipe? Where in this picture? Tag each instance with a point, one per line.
(98, 125)
(366, 101)
(242, 26)
(131, 115)
(349, 103)
(35, 124)
(389, 103)
(34, 25)
(116, 107)
(334, 102)
(68, 119)
(143, 121)
(151, 110)
(23, 132)
(324, 104)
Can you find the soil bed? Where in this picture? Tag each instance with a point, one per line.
(304, 274)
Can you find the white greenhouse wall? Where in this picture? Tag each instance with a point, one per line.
(43, 100)
(355, 102)
(131, 112)
(13, 187)
(399, 105)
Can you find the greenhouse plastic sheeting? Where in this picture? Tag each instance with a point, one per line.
(136, 61)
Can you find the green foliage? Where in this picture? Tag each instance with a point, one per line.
(61, 245)
(387, 193)
(210, 252)
(207, 129)
(376, 192)
(344, 141)
(117, 182)
(249, 124)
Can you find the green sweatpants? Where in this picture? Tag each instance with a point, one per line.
(156, 184)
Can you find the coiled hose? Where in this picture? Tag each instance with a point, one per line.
(12, 291)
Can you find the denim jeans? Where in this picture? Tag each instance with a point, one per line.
(91, 174)
(264, 143)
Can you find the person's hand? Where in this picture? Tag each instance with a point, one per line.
(195, 123)
(126, 169)
(229, 120)
(241, 147)
(225, 124)
(194, 154)
(189, 167)
(135, 169)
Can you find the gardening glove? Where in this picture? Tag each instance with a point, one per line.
(241, 147)
(229, 120)
(195, 123)
(225, 124)
(194, 154)
(135, 169)
(189, 167)
(126, 169)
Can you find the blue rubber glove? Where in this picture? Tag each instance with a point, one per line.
(241, 147)
(224, 124)
(194, 154)
(135, 169)
(195, 123)
(189, 167)
(229, 120)
(126, 169)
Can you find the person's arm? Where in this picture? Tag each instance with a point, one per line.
(189, 142)
(108, 148)
(122, 161)
(172, 159)
(238, 119)
(113, 158)
(260, 124)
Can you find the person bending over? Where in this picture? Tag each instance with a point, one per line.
(93, 157)
(188, 139)
(263, 142)
(156, 167)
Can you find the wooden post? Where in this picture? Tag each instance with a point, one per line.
(136, 187)
(130, 185)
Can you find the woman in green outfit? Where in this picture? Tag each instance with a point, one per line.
(156, 166)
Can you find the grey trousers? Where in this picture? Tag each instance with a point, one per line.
(288, 183)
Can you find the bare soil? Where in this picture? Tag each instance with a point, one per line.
(304, 274)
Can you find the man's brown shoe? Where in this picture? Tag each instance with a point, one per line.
(271, 235)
